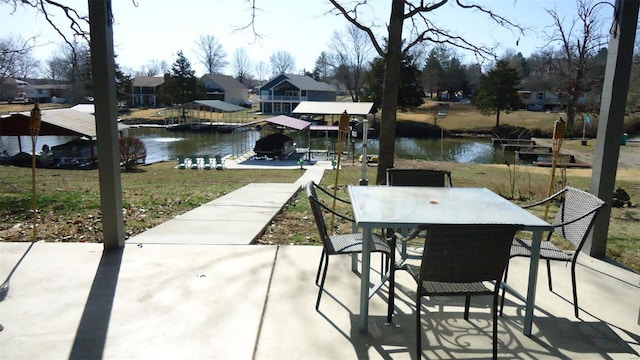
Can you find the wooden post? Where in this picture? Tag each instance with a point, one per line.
(343, 132)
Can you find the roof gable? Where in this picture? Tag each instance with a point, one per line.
(224, 82)
(148, 81)
(54, 122)
(301, 82)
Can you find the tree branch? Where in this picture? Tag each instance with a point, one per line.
(352, 17)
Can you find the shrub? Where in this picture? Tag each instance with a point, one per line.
(132, 152)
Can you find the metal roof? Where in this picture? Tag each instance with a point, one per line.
(301, 82)
(333, 108)
(225, 82)
(148, 81)
(56, 122)
(219, 105)
(282, 120)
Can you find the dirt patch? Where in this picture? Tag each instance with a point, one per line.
(628, 159)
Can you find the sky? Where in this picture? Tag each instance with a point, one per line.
(152, 30)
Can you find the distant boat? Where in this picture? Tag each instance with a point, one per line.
(24, 159)
(276, 146)
(371, 159)
(80, 153)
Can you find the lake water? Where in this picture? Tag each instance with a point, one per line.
(163, 145)
(166, 145)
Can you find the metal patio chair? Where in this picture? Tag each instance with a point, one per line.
(341, 244)
(459, 260)
(418, 177)
(573, 221)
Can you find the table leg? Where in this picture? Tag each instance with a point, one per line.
(533, 280)
(364, 279)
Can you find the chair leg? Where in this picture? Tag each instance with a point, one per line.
(467, 303)
(575, 288)
(504, 290)
(392, 292)
(320, 266)
(324, 276)
(494, 312)
(549, 274)
(418, 328)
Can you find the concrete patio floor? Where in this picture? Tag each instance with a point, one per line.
(194, 288)
(160, 301)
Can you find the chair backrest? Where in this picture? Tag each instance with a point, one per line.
(418, 177)
(466, 253)
(579, 209)
(316, 209)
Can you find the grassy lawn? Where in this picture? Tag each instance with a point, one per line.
(69, 204)
(69, 201)
(295, 225)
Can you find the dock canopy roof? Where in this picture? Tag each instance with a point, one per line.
(217, 105)
(282, 120)
(58, 122)
(333, 108)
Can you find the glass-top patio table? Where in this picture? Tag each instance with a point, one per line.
(406, 207)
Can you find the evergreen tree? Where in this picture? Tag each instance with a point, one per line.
(433, 74)
(411, 93)
(322, 67)
(182, 86)
(456, 78)
(124, 82)
(498, 91)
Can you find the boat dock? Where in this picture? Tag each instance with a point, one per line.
(500, 141)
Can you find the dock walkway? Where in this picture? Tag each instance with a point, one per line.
(237, 218)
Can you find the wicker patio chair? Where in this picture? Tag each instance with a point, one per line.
(459, 260)
(573, 221)
(418, 177)
(339, 244)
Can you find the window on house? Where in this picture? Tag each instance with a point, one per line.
(541, 95)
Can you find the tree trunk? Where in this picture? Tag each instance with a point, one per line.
(498, 117)
(390, 91)
(571, 114)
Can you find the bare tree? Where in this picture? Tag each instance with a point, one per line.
(54, 68)
(15, 57)
(211, 54)
(282, 62)
(241, 64)
(262, 70)
(573, 45)
(351, 51)
(421, 29)
(154, 67)
(51, 9)
(74, 68)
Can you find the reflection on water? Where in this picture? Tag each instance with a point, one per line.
(165, 145)
(462, 150)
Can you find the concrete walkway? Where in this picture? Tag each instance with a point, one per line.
(237, 218)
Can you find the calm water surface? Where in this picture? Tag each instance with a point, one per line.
(163, 145)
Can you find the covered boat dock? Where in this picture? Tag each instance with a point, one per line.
(213, 115)
(56, 122)
(276, 126)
